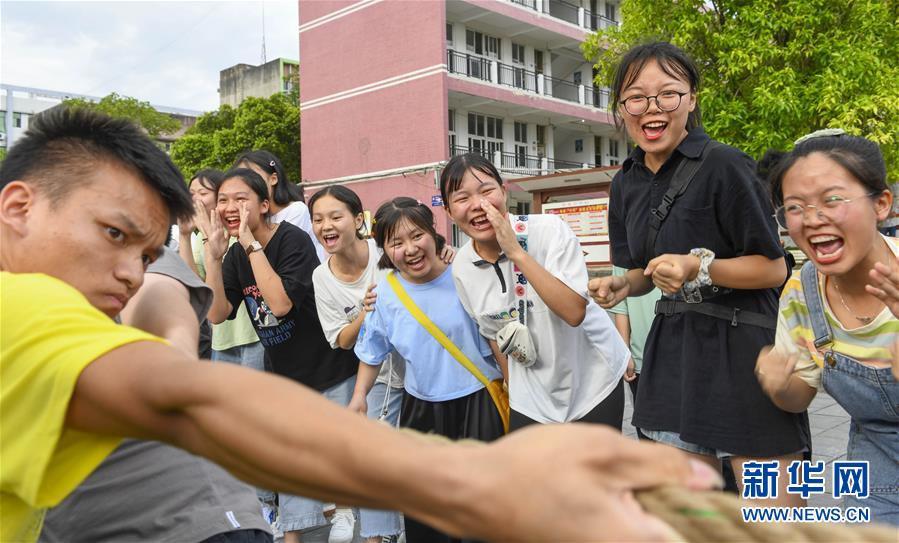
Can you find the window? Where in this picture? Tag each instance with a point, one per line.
(452, 132)
(2, 122)
(17, 119)
(541, 141)
(521, 147)
(481, 44)
(577, 78)
(449, 34)
(610, 11)
(538, 61)
(485, 134)
(597, 150)
(517, 53)
(613, 152)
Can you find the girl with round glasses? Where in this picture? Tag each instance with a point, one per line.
(834, 330)
(716, 257)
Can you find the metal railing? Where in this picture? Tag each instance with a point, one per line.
(563, 10)
(467, 64)
(559, 88)
(511, 75)
(570, 13)
(520, 163)
(517, 76)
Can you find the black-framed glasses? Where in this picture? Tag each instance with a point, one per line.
(831, 210)
(666, 101)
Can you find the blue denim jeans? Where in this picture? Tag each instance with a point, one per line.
(871, 397)
(251, 355)
(299, 514)
(386, 407)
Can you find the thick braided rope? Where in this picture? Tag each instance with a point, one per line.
(715, 516)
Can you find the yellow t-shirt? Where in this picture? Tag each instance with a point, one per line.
(49, 333)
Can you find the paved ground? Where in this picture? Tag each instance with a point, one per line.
(830, 433)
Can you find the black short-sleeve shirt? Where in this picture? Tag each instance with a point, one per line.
(697, 377)
(295, 345)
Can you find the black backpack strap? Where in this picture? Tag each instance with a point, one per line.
(681, 179)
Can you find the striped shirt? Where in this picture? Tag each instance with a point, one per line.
(871, 344)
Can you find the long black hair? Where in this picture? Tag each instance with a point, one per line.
(284, 191)
(391, 214)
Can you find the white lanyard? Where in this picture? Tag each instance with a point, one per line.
(520, 226)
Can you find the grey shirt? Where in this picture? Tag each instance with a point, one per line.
(148, 491)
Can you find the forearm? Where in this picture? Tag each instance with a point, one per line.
(748, 272)
(501, 359)
(561, 300)
(366, 376)
(623, 325)
(348, 335)
(797, 396)
(639, 284)
(223, 412)
(270, 285)
(221, 308)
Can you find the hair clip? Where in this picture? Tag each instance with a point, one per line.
(271, 163)
(823, 133)
(419, 202)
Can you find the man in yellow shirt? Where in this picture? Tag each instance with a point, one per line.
(85, 205)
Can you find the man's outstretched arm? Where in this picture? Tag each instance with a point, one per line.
(546, 483)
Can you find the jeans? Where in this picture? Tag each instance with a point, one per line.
(375, 522)
(303, 514)
(251, 355)
(871, 397)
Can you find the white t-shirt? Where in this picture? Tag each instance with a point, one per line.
(338, 303)
(577, 367)
(297, 214)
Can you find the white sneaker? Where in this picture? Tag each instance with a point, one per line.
(342, 525)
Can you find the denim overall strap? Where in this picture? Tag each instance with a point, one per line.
(820, 326)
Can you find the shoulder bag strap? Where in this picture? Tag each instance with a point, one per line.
(681, 179)
(495, 389)
(820, 326)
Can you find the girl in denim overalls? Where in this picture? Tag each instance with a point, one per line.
(834, 329)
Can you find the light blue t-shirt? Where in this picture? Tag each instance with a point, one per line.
(432, 373)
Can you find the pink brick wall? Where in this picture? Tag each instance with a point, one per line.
(389, 127)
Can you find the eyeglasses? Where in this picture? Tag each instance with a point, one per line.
(665, 101)
(832, 210)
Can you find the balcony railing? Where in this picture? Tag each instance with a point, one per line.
(518, 77)
(521, 163)
(570, 13)
(467, 64)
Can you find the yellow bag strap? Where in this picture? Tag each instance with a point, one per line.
(434, 331)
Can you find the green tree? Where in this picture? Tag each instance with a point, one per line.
(142, 113)
(774, 70)
(218, 137)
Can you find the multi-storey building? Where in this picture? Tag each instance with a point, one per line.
(243, 80)
(19, 104)
(391, 89)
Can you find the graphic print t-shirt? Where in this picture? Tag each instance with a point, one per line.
(295, 345)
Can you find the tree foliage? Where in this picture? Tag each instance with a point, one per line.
(218, 137)
(141, 113)
(774, 70)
